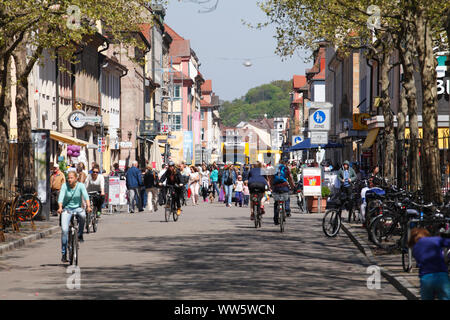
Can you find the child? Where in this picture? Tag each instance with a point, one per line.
(246, 193)
(239, 187)
(433, 272)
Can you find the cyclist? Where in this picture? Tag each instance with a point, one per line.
(70, 198)
(257, 183)
(96, 182)
(281, 180)
(174, 179)
(347, 176)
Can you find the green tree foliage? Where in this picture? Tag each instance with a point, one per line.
(272, 99)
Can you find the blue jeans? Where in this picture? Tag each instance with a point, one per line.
(228, 194)
(215, 188)
(239, 198)
(435, 285)
(66, 216)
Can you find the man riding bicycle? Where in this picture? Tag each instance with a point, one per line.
(281, 180)
(70, 199)
(257, 183)
(347, 176)
(95, 182)
(174, 179)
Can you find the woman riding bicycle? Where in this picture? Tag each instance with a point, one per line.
(257, 183)
(174, 179)
(70, 198)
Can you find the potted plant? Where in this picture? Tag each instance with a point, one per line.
(313, 202)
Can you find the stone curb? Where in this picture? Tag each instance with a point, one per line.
(28, 239)
(400, 283)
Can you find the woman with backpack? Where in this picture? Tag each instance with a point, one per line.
(228, 181)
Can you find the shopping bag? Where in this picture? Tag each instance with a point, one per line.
(221, 195)
(189, 193)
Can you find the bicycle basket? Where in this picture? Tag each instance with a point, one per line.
(280, 196)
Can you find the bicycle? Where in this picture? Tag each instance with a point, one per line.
(73, 244)
(332, 220)
(256, 197)
(171, 205)
(92, 218)
(280, 200)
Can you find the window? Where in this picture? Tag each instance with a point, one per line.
(176, 92)
(176, 124)
(203, 133)
(202, 115)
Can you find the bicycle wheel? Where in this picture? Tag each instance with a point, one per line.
(331, 223)
(282, 217)
(88, 221)
(94, 223)
(406, 253)
(168, 209)
(30, 205)
(73, 253)
(255, 215)
(386, 231)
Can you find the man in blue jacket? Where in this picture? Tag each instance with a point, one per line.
(134, 182)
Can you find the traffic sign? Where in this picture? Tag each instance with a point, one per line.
(297, 140)
(314, 104)
(319, 137)
(319, 120)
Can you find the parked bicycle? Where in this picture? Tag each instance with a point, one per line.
(332, 220)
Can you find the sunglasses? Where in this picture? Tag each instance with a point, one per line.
(94, 171)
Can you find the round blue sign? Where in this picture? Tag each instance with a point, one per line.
(298, 140)
(319, 117)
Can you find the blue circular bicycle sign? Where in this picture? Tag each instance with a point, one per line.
(319, 117)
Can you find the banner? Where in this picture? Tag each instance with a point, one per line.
(114, 191)
(312, 182)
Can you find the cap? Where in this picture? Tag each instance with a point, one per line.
(171, 163)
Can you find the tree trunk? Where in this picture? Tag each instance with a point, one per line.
(26, 175)
(407, 52)
(389, 135)
(401, 151)
(5, 110)
(431, 168)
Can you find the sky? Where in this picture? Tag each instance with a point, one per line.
(221, 34)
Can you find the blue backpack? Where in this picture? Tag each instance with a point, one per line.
(280, 176)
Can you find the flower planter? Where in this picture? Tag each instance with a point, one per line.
(313, 204)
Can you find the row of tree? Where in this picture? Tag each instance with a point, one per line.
(28, 27)
(382, 28)
(270, 99)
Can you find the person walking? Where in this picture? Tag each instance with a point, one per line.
(246, 193)
(81, 174)
(228, 181)
(433, 271)
(239, 188)
(346, 177)
(194, 184)
(151, 183)
(205, 182)
(134, 182)
(57, 180)
(215, 180)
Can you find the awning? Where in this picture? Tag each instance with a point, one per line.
(54, 135)
(371, 137)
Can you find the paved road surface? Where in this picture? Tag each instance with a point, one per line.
(212, 252)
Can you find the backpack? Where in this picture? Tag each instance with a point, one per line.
(280, 176)
(229, 180)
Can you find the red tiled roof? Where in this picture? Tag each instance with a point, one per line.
(299, 81)
(207, 86)
(180, 48)
(145, 30)
(172, 33)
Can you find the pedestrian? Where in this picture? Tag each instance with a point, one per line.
(81, 174)
(433, 272)
(346, 177)
(205, 182)
(239, 188)
(246, 193)
(194, 184)
(57, 180)
(151, 183)
(228, 181)
(134, 182)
